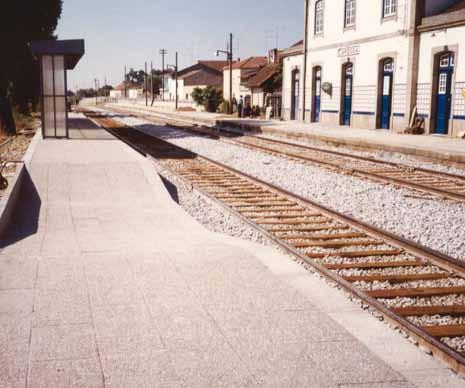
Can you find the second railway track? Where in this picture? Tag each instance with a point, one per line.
(420, 290)
(423, 181)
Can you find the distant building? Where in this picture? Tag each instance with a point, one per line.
(166, 80)
(263, 89)
(200, 75)
(117, 92)
(133, 91)
(242, 72)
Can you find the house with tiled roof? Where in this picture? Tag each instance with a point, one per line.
(199, 75)
(263, 90)
(131, 90)
(242, 71)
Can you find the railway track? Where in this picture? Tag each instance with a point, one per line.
(418, 289)
(424, 182)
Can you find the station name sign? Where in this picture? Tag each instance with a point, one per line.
(348, 51)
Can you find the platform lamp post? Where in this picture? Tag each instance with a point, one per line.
(175, 67)
(163, 52)
(229, 54)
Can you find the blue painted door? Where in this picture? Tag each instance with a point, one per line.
(386, 96)
(317, 96)
(347, 109)
(444, 93)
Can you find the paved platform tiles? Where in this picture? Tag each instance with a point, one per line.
(106, 282)
(427, 146)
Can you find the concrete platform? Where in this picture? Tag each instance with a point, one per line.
(432, 147)
(106, 282)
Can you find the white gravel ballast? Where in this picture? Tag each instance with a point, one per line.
(438, 224)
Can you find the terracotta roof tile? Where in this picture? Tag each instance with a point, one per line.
(250, 63)
(263, 75)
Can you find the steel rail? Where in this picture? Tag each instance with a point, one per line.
(453, 358)
(333, 165)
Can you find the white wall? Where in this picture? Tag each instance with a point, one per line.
(116, 93)
(365, 44)
(289, 65)
(432, 43)
(237, 89)
(135, 93)
(257, 97)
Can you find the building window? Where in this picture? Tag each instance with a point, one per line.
(446, 60)
(349, 20)
(389, 8)
(319, 17)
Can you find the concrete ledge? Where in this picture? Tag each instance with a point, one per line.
(9, 200)
(440, 156)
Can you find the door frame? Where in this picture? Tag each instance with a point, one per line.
(294, 104)
(436, 55)
(314, 71)
(344, 67)
(380, 92)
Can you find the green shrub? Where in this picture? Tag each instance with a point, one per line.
(210, 98)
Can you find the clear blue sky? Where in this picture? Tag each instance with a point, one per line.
(130, 32)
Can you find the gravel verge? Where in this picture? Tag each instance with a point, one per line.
(437, 224)
(211, 215)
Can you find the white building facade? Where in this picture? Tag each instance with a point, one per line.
(374, 63)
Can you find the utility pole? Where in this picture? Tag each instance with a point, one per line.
(229, 54)
(96, 91)
(146, 84)
(124, 83)
(175, 67)
(176, 77)
(151, 80)
(230, 58)
(305, 69)
(163, 52)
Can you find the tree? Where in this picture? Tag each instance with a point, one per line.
(135, 76)
(157, 81)
(104, 91)
(85, 93)
(22, 21)
(210, 98)
(197, 96)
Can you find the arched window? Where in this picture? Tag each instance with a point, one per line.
(350, 13)
(319, 17)
(389, 8)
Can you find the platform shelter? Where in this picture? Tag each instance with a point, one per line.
(56, 57)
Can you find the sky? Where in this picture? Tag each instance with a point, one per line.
(120, 33)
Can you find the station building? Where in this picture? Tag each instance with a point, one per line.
(379, 64)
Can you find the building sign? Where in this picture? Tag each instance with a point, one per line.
(327, 88)
(348, 51)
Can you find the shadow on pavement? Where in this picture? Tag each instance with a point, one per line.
(24, 220)
(172, 189)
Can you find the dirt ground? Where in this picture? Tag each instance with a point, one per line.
(12, 149)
